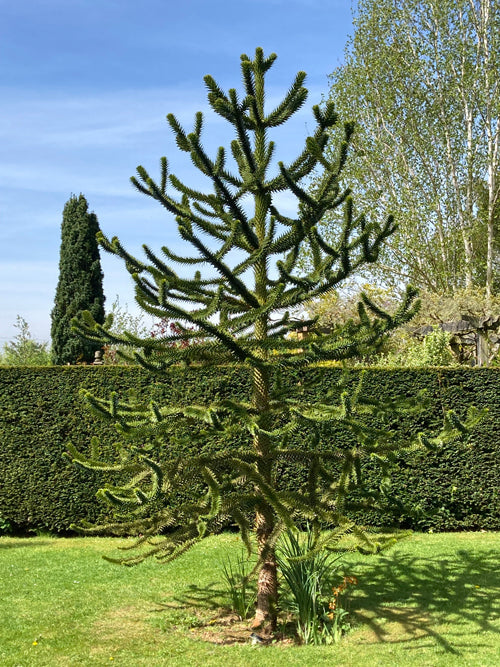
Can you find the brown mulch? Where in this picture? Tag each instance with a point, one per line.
(227, 628)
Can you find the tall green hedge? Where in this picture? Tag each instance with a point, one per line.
(40, 411)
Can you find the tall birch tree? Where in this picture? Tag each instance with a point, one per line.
(421, 77)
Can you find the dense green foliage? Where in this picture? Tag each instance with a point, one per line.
(80, 283)
(403, 347)
(41, 410)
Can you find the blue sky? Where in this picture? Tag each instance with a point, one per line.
(85, 86)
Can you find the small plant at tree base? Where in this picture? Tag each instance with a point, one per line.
(237, 311)
(308, 574)
(336, 619)
(237, 576)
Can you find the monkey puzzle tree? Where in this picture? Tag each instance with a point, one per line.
(80, 283)
(238, 312)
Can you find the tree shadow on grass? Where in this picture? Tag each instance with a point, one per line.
(401, 598)
(419, 595)
(211, 597)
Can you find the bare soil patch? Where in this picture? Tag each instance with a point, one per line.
(227, 629)
(388, 625)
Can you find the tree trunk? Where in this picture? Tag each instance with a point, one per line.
(489, 254)
(267, 585)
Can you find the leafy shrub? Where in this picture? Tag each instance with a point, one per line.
(433, 350)
(23, 349)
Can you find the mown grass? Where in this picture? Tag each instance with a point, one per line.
(432, 600)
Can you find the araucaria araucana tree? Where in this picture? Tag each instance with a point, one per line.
(237, 311)
(80, 283)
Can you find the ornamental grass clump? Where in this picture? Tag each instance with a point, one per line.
(319, 609)
(308, 575)
(237, 578)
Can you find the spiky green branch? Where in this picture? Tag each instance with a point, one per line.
(240, 312)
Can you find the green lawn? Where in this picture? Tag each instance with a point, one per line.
(432, 600)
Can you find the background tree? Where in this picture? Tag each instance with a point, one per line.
(80, 283)
(422, 77)
(488, 216)
(24, 350)
(238, 312)
(404, 346)
(337, 307)
(120, 319)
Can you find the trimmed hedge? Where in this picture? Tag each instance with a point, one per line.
(40, 411)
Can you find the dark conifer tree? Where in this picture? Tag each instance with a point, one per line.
(80, 283)
(237, 311)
